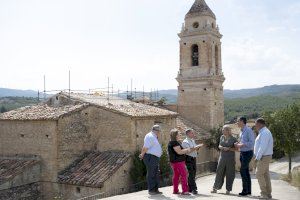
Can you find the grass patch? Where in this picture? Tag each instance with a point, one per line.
(293, 178)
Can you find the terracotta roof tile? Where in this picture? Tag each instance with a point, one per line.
(40, 112)
(11, 167)
(183, 124)
(121, 105)
(94, 169)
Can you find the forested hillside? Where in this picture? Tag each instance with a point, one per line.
(253, 107)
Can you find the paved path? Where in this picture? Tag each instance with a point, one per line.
(281, 189)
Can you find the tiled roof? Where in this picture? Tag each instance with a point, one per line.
(200, 8)
(94, 169)
(183, 124)
(123, 106)
(11, 167)
(40, 112)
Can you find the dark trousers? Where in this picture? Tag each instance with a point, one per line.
(152, 165)
(191, 165)
(245, 159)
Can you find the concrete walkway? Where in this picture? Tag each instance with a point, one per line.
(281, 189)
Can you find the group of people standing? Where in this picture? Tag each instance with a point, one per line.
(182, 157)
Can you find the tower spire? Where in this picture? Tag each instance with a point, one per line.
(200, 8)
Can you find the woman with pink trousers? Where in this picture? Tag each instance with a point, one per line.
(177, 159)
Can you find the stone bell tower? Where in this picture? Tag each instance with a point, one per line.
(200, 77)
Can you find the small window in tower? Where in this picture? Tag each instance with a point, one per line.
(77, 189)
(217, 59)
(195, 55)
(195, 24)
(213, 25)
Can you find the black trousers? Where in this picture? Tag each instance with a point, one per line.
(191, 165)
(245, 159)
(152, 165)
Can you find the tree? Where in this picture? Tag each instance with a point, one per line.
(162, 101)
(138, 171)
(3, 109)
(164, 167)
(285, 127)
(213, 141)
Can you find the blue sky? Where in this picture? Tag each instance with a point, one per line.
(137, 39)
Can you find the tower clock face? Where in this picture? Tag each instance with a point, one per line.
(195, 24)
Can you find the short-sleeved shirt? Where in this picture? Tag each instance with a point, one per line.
(152, 144)
(174, 157)
(190, 143)
(227, 142)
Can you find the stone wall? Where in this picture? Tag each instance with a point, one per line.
(24, 192)
(142, 127)
(92, 129)
(31, 138)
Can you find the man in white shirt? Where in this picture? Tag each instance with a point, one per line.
(151, 153)
(191, 162)
(263, 151)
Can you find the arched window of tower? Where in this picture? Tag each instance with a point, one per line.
(195, 55)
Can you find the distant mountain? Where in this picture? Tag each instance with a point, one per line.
(273, 90)
(5, 92)
(171, 95)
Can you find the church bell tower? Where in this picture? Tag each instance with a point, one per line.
(200, 77)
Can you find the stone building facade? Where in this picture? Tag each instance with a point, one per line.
(200, 77)
(61, 131)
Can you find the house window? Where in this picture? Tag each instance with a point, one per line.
(77, 189)
(195, 55)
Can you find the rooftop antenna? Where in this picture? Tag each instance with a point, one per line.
(44, 87)
(143, 94)
(131, 87)
(108, 89)
(69, 83)
(38, 95)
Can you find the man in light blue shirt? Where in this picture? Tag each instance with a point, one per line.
(151, 153)
(263, 151)
(246, 145)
